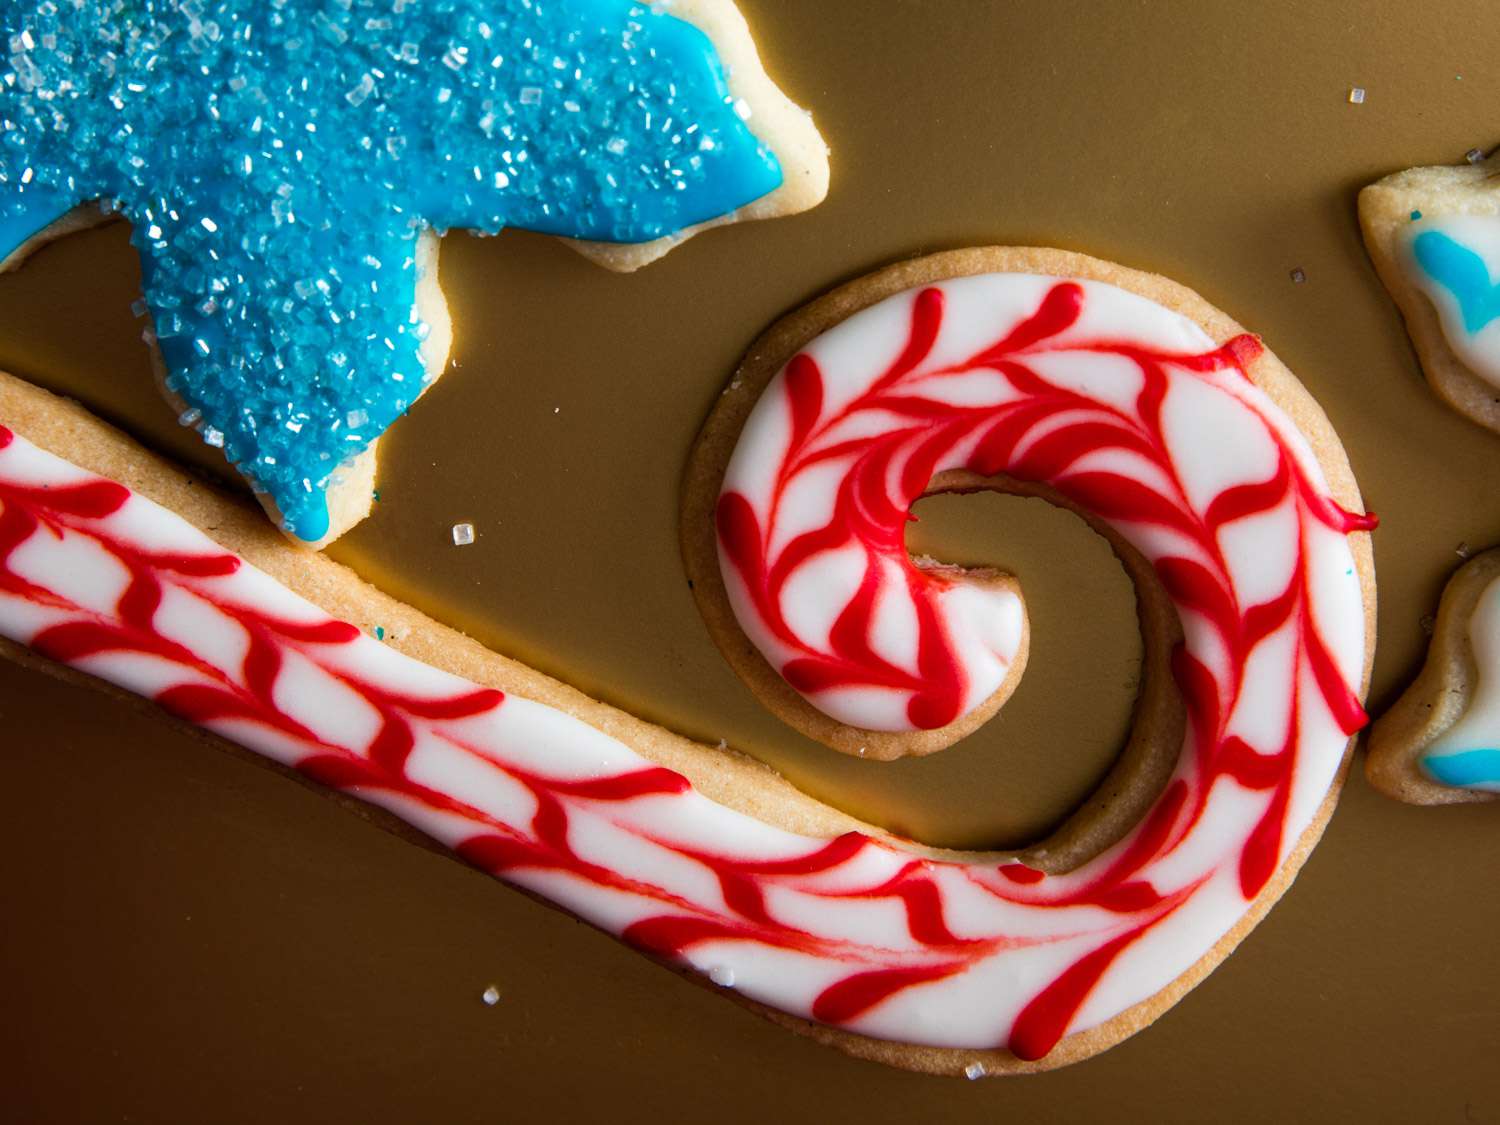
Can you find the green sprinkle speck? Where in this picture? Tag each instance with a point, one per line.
(380, 632)
(1415, 215)
(375, 493)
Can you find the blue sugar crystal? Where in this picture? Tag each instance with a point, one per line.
(278, 159)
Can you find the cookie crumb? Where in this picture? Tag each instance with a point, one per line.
(490, 996)
(1356, 95)
(974, 1070)
(1298, 276)
(722, 975)
(463, 534)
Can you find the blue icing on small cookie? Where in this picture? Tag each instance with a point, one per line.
(279, 158)
(1466, 769)
(1463, 273)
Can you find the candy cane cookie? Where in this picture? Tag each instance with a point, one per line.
(287, 167)
(1434, 236)
(948, 962)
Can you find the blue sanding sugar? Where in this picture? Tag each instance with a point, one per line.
(278, 159)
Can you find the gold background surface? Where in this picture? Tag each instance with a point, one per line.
(188, 939)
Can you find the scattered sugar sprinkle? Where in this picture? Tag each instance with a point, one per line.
(1356, 95)
(1415, 215)
(1298, 276)
(722, 975)
(463, 534)
(490, 996)
(1474, 155)
(974, 1070)
(1463, 550)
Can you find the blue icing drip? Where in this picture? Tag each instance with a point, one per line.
(1466, 769)
(278, 159)
(29, 214)
(1463, 273)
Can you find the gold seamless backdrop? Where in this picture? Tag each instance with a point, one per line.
(189, 939)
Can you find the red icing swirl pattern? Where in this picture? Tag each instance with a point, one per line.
(1030, 429)
(855, 931)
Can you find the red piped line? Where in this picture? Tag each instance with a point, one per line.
(926, 323)
(626, 786)
(1020, 873)
(853, 996)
